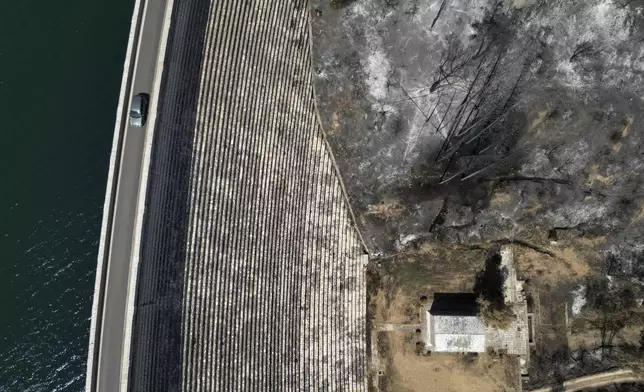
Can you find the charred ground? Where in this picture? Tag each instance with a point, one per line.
(464, 124)
(478, 120)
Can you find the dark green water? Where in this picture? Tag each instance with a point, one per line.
(60, 73)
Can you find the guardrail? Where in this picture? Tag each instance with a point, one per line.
(142, 196)
(110, 193)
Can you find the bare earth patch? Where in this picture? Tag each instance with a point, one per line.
(595, 175)
(402, 285)
(568, 260)
(453, 373)
(500, 199)
(386, 209)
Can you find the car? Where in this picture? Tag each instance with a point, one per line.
(139, 110)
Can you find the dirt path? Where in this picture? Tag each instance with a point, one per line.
(399, 327)
(597, 380)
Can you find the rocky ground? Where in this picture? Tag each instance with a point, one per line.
(481, 121)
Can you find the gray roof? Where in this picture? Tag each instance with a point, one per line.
(463, 325)
(459, 343)
(457, 334)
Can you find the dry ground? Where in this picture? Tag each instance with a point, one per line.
(398, 286)
(407, 371)
(584, 334)
(591, 338)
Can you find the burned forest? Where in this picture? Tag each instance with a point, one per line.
(480, 120)
(459, 126)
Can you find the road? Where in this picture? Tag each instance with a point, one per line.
(111, 340)
(597, 380)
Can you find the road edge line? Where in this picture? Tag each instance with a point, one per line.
(110, 193)
(142, 196)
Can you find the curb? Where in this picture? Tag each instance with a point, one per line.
(142, 196)
(110, 193)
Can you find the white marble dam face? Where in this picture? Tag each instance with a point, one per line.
(274, 280)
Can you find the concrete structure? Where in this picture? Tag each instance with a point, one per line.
(514, 339)
(512, 288)
(462, 334)
(110, 331)
(453, 324)
(467, 333)
(238, 266)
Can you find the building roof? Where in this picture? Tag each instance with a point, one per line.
(458, 343)
(457, 333)
(468, 325)
(455, 325)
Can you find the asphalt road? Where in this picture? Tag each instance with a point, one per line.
(110, 349)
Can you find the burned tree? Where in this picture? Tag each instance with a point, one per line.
(612, 307)
(489, 288)
(583, 49)
(585, 55)
(341, 3)
(476, 100)
(453, 61)
(438, 14)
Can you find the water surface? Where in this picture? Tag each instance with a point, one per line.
(60, 72)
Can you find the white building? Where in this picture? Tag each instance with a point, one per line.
(457, 334)
(453, 324)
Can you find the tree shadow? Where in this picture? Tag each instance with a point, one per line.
(489, 282)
